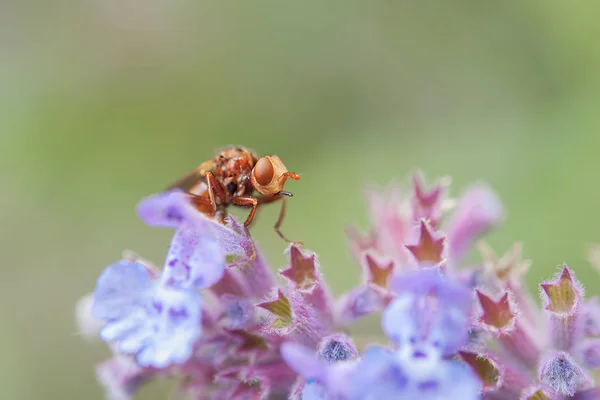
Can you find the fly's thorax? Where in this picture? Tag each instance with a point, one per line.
(232, 169)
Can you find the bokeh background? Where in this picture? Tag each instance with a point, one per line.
(104, 102)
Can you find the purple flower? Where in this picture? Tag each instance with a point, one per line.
(429, 316)
(196, 256)
(195, 259)
(168, 209)
(160, 320)
(333, 349)
(380, 374)
(158, 324)
(119, 288)
(314, 391)
(384, 374)
(172, 210)
(427, 321)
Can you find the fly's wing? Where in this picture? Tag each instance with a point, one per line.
(190, 182)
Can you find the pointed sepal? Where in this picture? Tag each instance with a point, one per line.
(308, 284)
(430, 247)
(302, 271)
(281, 308)
(378, 272)
(563, 294)
(498, 379)
(509, 267)
(537, 393)
(499, 317)
(562, 297)
(289, 314)
(485, 368)
(248, 342)
(496, 314)
(429, 203)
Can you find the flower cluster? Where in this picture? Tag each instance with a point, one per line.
(216, 316)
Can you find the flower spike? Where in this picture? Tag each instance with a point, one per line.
(226, 324)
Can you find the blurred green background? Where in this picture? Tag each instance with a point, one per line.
(104, 102)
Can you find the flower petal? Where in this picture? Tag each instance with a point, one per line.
(117, 289)
(166, 209)
(478, 211)
(302, 360)
(162, 327)
(430, 314)
(195, 259)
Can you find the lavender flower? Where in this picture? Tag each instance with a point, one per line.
(159, 320)
(426, 321)
(217, 317)
(428, 306)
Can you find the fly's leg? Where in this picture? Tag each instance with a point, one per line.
(199, 201)
(215, 190)
(247, 201)
(280, 221)
(266, 200)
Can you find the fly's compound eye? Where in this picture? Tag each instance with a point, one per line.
(269, 175)
(263, 171)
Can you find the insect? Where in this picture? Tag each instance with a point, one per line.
(231, 178)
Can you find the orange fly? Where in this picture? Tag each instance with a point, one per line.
(231, 178)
